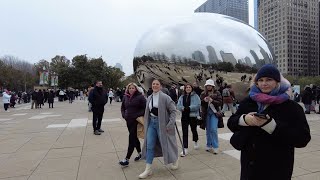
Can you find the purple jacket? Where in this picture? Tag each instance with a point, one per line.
(133, 106)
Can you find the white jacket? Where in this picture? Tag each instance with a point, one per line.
(5, 98)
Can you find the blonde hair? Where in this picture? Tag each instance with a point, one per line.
(131, 84)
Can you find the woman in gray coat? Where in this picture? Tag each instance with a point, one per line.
(160, 134)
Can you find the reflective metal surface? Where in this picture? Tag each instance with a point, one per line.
(205, 45)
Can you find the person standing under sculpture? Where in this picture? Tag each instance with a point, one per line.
(97, 98)
(160, 133)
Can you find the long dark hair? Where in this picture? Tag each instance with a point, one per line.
(185, 86)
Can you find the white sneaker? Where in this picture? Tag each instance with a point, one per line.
(196, 145)
(175, 165)
(215, 150)
(208, 149)
(7, 111)
(186, 152)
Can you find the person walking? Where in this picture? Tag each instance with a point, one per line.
(306, 99)
(267, 127)
(111, 95)
(211, 101)
(6, 100)
(34, 97)
(228, 97)
(160, 134)
(132, 107)
(51, 98)
(40, 98)
(97, 100)
(189, 104)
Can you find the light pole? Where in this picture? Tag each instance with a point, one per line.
(54, 81)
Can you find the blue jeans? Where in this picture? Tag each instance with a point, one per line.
(152, 136)
(212, 130)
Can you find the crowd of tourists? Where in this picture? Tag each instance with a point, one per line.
(267, 125)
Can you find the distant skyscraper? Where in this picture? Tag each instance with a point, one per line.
(291, 27)
(213, 58)
(233, 8)
(255, 14)
(228, 57)
(119, 66)
(198, 55)
(248, 61)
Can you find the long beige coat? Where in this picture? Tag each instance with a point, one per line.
(166, 146)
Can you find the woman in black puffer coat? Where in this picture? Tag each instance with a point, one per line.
(267, 127)
(132, 107)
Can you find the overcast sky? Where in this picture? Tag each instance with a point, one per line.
(40, 29)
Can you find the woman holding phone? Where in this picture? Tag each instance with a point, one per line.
(267, 127)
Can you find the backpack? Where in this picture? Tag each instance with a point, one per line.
(225, 92)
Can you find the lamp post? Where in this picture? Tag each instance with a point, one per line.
(54, 81)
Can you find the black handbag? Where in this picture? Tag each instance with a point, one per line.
(220, 122)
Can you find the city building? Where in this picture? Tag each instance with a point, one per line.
(292, 29)
(255, 14)
(233, 8)
(119, 66)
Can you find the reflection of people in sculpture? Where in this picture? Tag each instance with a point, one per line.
(183, 79)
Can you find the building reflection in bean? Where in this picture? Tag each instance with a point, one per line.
(205, 45)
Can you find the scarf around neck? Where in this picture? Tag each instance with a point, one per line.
(276, 96)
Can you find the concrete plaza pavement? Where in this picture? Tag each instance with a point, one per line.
(58, 144)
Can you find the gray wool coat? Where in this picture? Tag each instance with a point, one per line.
(166, 145)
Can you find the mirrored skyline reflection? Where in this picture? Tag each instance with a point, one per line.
(208, 38)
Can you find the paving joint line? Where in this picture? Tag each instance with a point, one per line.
(84, 138)
(45, 154)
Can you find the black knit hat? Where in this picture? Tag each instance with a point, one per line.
(270, 71)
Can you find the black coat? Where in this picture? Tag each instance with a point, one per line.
(39, 97)
(133, 107)
(307, 96)
(50, 97)
(97, 98)
(34, 95)
(269, 156)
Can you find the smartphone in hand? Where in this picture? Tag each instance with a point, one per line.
(262, 116)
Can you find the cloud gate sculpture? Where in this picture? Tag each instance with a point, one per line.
(203, 46)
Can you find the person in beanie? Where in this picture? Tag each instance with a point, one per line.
(97, 100)
(189, 104)
(211, 101)
(132, 107)
(267, 127)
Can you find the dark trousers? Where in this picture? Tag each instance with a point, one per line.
(97, 119)
(51, 105)
(6, 105)
(133, 138)
(110, 99)
(192, 121)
